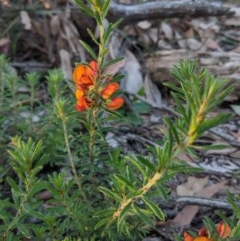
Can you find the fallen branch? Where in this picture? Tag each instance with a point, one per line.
(167, 9)
(200, 201)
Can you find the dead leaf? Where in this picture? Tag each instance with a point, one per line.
(55, 25)
(133, 81)
(151, 91)
(153, 34)
(193, 44)
(180, 40)
(66, 64)
(185, 157)
(4, 45)
(164, 45)
(192, 186)
(167, 30)
(224, 151)
(115, 46)
(236, 109)
(38, 28)
(189, 33)
(144, 36)
(114, 68)
(187, 214)
(25, 20)
(212, 44)
(144, 24)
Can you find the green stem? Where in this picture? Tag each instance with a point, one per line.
(31, 107)
(92, 133)
(177, 150)
(102, 44)
(71, 159)
(2, 92)
(20, 210)
(151, 182)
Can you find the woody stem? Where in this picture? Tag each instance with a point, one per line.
(92, 133)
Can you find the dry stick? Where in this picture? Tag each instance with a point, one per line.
(201, 201)
(149, 10)
(225, 136)
(167, 9)
(141, 139)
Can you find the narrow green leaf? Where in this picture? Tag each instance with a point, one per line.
(117, 78)
(215, 121)
(36, 151)
(137, 164)
(110, 194)
(6, 204)
(85, 8)
(116, 24)
(129, 174)
(89, 49)
(162, 190)
(147, 163)
(123, 214)
(23, 230)
(98, 18)
(172, 129)
(114, 61)
(135, 194)
(211, 147)
(107, 34)
(124, 181)
(225, 92)
(173, 87)
(104, 213)
(144, 216)
(13, 185)
(154, 208)
(92, 36)
(105, 7)
(4, 215)
(11, 237)
(109, 31)
(120, 226)
(106, 222)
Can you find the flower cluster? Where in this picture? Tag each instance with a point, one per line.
(223, 231)
(92, 90)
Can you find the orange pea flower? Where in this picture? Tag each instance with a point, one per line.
(223, 232)
(109, 90)
(83, 104)
(115, 103)
(188, 237)
(85, 77)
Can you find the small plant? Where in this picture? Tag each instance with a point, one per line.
(221, 232)
(92, 192)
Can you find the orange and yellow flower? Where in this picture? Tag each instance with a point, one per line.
(188, 237)
(203, 235)
(223, 230)
(115, 103)
(88, 89)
